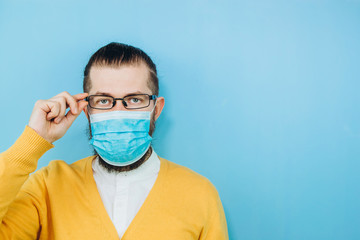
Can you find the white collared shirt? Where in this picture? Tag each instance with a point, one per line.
(124, 193)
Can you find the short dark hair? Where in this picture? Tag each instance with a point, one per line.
(117, 54)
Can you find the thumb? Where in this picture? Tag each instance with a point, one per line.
(70, 117)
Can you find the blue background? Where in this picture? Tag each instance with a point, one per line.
(261, 97)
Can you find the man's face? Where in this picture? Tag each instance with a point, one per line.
(119, 82)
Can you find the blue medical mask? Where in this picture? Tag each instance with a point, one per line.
(121, 137)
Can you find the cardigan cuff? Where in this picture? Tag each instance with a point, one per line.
(27, 150)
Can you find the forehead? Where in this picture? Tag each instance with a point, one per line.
(119, 80)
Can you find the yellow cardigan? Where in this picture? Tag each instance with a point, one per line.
(61, 201)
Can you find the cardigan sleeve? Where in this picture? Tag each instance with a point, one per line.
(215, 227)
(19, 209)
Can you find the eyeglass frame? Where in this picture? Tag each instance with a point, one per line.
(151, 97)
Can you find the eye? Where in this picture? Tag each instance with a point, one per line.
(103, 101)
(135, 100)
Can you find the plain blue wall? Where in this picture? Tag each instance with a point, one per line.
(262, 97)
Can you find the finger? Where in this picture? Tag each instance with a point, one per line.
(82, 105)
(77, 98)
(70, 117)
(70, 101)
(81, 102)
(62, 111)
(80, 96)
(52, 109)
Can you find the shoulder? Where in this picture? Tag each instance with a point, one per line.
(57, 176)
(183, 178)
(60, 168)
(188, 192)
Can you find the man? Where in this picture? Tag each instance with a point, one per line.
(125, 190)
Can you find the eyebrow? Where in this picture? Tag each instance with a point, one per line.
(109, 94)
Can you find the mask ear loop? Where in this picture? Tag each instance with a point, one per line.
(153, 107)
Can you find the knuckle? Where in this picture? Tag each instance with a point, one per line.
(62, 99)
(38, 102)
(59, 100)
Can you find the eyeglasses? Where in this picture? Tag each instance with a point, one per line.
(133, 101)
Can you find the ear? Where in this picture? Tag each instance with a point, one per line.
(160, 103)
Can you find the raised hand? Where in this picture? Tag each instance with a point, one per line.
(49, 118)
